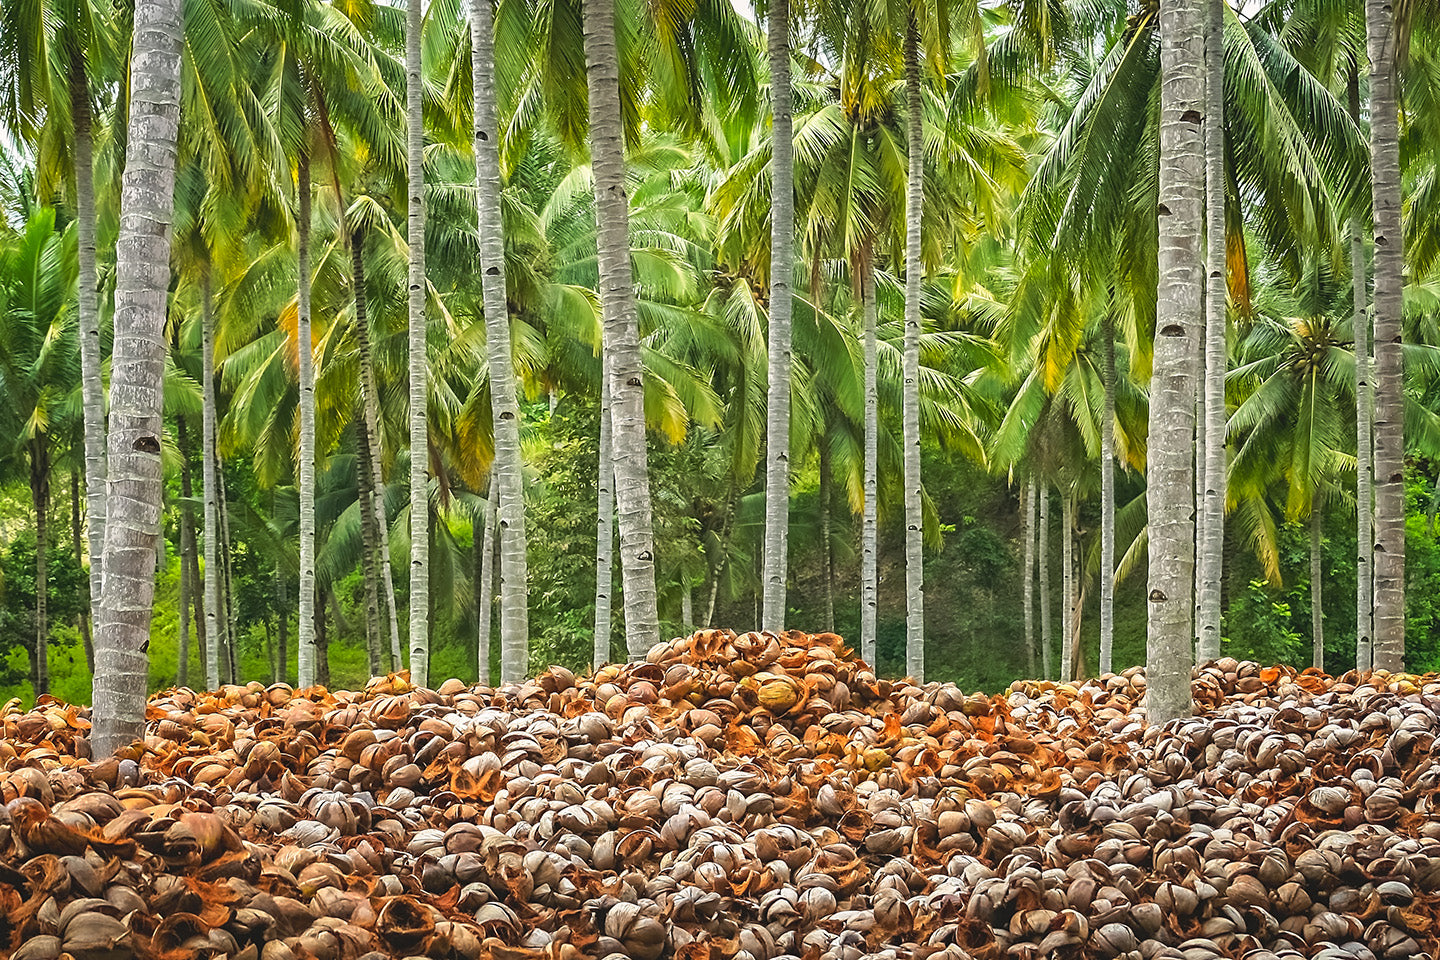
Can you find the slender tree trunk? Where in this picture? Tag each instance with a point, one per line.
(1364, 448)
(1077, 646)
(487, 584)
(727, 526)
(1027, 509)
(1389, 265)
(1212, 551)
(370, 403)
(322, 641)
(84, 618)
(419, 361)
(197, 600)
(187, 550)
(505, 408)
(40, 503)
(604, 527)
(228, 625)
(369, 562)
(208, 477)
(687, 607)
(1107, 505)
(1317, 608)
(869, 529)
(305, 465)
(1171, 469)
(282, 607)
(782, 265)
(622, 338)
(1067, 613)
(1044, 550)
(92, 388)
(910, 403)
(142, 280)
(826, 547)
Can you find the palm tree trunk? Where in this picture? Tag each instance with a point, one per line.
(187, 550)
(604, 528)
(782, 265)
(84, 618)
(1044, 551)
(142, 281)
(1027, 510)
(826, 547)
(1317, 608)
(727, 525)
(282, 607)
(687, 607)
(208, 471)
(622, 338)
(228, 626)
(1171, 470)
(910, 414)
(92, 397)
(370, 403)
(1107, 505)
(487, 584)
(322, 641)
(305, 466)
(1364, 449)
(40, 503)
(1389, 624)
(869, 524)
(419, 424)
(1067, 612)
(506, 473)
(1212, 545)
(365, 495)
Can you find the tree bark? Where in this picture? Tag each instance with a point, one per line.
(1389, 623)
(419, 360)
(487, 584)
(305, 462)
(687, 607)
(1212, 551)
(604, 527)
(40, 503)
(910, 414)
(1171, 470)
(727, 525)
(1364, 421)
(369, 561)
(92, 387)
(1044, 550)
(1317, 608)
(1067, 611)
(229, 663)
(1107, 505)
(869, 524)
(827, 548)
(84, 619)
(208, 472)
(282, 606)
(187, 551)
(370, 403)
(507, 473)
(142, 280)
(622, 339)
(1027, 510)
(322, 641)
(782, 265)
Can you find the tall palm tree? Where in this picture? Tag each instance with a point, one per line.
(419, 424)
(1382, 35)
(1364, 424)
(506, 474)
(142, 279)
(782, 255)
(621, 341)
(910, 402)
(305, 467)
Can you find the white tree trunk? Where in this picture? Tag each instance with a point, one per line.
(419, 361)
(305, 462)
(622, 335)
(604, 528)
(1107, 506)
(910, 402)
(1067, 610)
(1027, 509)
(92, 388)
(1046, 643)
(869, 523)
(1389, 439)
(507, 473)
(1170, 496)
(208, 469)
(782, 262)
(142, 281)
(1212, 547)
(1364, 448)
(487, 584)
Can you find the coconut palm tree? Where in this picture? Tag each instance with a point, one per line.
(142, 278)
